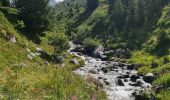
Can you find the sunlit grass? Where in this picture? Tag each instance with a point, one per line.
(21, 78)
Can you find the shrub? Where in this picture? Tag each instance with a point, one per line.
(59, 41)
(90, 43)
(82, 33)
(20, 24)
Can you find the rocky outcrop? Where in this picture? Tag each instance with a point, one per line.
(31, 55)
(98, 51)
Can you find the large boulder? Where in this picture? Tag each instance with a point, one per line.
(149, 77)
(98, 51)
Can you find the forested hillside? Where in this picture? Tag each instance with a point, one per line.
(122, 20)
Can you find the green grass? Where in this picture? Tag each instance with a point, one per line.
(6, 28)
(162, 71)
(163, 80)
(22, 78)
(164, 95)
(146, 59)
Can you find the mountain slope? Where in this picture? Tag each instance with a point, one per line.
(122, 20)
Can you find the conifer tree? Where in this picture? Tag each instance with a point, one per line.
(36, 14)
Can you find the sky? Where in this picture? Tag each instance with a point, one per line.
(58, 0)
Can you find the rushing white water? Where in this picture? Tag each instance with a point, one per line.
(109, 79)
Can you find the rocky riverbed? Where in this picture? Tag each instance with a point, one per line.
(119, 80)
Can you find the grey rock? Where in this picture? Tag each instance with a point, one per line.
(38, 49)
(29, 56)
(13, 39)
(74, 61)
(32, 54)
(98, 51)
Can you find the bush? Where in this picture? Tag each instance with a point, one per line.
(91, 43)
(82, 33)
(59, 41)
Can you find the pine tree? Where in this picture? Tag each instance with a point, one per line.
(118, 14)
(36, 15)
